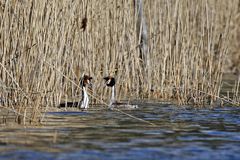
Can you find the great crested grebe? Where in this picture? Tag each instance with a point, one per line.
(110, 82)
(85, 81)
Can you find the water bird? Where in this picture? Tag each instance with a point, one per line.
(84, 82)
(110, 82)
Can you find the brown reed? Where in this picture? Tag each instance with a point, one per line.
(188, 44)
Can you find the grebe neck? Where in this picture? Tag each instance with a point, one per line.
(85, 98)
(113, 96)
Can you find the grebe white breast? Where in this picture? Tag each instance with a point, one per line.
(110, 82)
(85, 81)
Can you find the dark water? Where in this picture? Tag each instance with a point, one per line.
(180, 133)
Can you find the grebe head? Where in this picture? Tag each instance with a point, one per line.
(85, 80)
(109, 81)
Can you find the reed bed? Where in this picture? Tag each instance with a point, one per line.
(46, 46)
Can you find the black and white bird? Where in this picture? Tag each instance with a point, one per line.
(110, 82)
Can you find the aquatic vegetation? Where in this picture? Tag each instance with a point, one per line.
(47, 45)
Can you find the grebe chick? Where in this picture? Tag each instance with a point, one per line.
(110, 82)
(84, 82)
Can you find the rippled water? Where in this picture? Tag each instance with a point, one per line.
(180, 133)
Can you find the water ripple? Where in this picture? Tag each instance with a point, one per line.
(181, 133)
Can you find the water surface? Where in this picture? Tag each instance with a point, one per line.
(180, 133)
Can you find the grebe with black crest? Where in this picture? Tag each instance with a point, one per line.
(110, 82)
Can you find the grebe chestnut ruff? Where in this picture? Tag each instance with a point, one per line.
(85, 80)
(110, 82)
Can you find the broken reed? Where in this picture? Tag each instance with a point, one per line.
(188, 42)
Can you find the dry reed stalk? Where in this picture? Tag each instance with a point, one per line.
(236, 93)
(188, 43)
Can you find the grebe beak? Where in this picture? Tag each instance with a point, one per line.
(104, 84)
